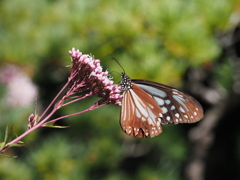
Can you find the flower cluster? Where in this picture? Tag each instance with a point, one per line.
(87, 74)
(87, 78)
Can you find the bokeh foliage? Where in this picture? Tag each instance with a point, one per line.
(156, 40)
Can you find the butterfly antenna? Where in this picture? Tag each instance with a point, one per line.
(114, 72)
(118, 63)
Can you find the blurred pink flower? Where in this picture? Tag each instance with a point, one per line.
(20, 90)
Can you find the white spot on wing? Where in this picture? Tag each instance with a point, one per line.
(167, 101)
(151, 106)
(152, 116)
(180, 100)
(154, 91)
(177, 115)
(138, 113)
(150, 121)
(139, 103)
(164, 110)
(159, 121)
(181, 109)
(172, 107)
(159, 101)
(175, 91)
(168, 118)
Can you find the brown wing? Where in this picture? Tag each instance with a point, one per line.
(177, 106)
(140, 114)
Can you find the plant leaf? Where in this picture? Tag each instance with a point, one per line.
(51, 125)
(2, 144)
(9, 135)
(2, 155)
(19, 144)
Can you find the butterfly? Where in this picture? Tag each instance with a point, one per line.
(147, 105)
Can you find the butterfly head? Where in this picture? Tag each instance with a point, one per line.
(125, 83)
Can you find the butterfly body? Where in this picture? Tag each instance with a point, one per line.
(147, 105)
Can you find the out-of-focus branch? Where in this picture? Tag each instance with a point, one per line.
(201, 138)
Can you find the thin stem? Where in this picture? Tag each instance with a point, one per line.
(39, 124)
(83, 97)
(24, 134)
(89, 109)
(60, 92)
(43, 122)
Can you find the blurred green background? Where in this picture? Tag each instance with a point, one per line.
(192, 45)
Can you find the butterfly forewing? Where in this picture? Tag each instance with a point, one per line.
(177, 106)
(140, 114)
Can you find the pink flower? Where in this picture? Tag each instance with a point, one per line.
(20, 89)
(88, 72)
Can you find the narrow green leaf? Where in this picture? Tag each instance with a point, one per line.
(1, 144)
(51, 125)
(2, 155)
(9, 134)
(37, 118)
(16, 145)
(36, 111)
(6, 136)
(59, 126)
